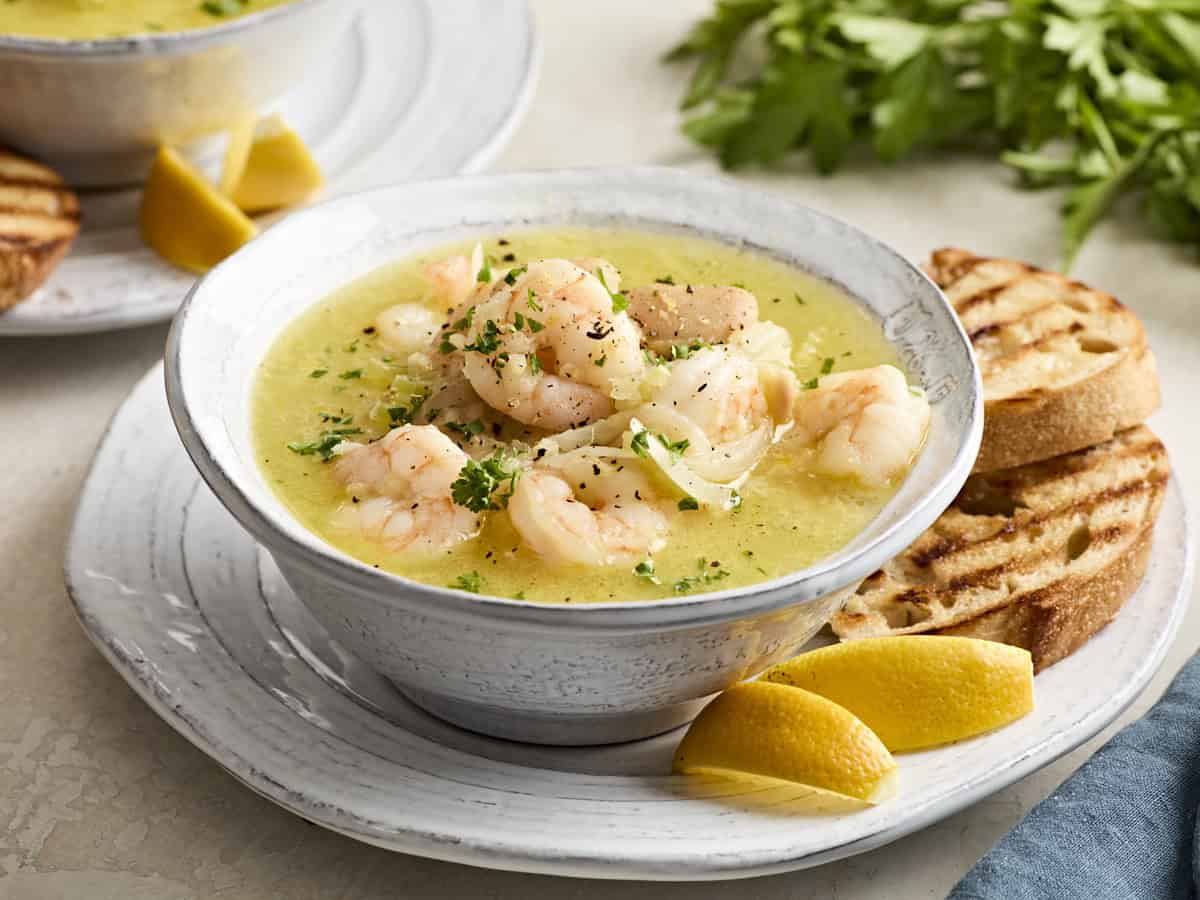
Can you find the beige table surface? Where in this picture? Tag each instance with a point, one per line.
(101, 800)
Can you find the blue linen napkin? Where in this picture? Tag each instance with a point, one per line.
(1123, 827)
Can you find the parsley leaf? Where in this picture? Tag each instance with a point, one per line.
(1083, 94)
(324, 444)
(645, 569)
(486, 485)
(472, 582)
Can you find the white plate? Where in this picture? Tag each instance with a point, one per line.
(198, 621)
(422, 88)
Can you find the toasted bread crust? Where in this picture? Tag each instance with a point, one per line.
(1064, 366)
(1041, 555)
(1055, 622)
(39, 219)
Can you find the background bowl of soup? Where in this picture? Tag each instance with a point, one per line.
(560, 673)
(92, 88)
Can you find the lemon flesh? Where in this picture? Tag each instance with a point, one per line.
(788, 734)
(185, 220)
(918, 691)
(278, 171)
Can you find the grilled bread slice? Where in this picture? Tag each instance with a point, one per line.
(39, 218)
(1064, 366)
(1041, 556)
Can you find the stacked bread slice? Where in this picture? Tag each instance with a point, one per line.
(1052, 532)
(39, 218)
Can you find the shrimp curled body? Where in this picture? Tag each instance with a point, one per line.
(400, 489)
(549, 350)
(602, 525)
(865, 424)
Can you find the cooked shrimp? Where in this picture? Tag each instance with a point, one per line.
(455, 279)
(400, 489)
(407, 327)
(673, 314)
(866, 424)
(549, 350)
(563, 529)
(718, 390)
(426, 525)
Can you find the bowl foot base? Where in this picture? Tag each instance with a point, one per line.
(562, 731)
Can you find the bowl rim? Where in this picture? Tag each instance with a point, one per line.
(155, 43)
(321, 559)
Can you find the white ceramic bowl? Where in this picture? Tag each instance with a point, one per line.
(96, 110)
(553, 674)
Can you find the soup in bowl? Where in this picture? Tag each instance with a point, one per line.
(564, 454)
(94, 87)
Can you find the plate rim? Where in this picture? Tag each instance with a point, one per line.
(479, 159)
(545, 860)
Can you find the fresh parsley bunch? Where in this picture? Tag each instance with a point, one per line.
(1099, 95)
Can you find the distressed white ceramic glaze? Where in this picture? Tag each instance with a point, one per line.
(200, 623)
(552, 673)
(416, 89)
(96, 110)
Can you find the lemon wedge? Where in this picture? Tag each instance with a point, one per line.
(278, 171)
(237, 153)
(185, 220)
(918, 691)
(791, 735)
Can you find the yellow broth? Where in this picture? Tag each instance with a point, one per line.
(323, 367)
(95, 19)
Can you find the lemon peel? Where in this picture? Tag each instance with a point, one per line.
(278, 171)
(918, 691)
(185, 220)
(791, 735)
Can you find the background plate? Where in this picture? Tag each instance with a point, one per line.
(182, 603)
(420, 89)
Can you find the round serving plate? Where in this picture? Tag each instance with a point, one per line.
(420, 89)
(198, 621)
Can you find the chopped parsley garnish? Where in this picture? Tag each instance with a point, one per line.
(485, 271)
(472, 583)
(513, 274)
(664, 279)
(811, 383)
(653, 359)
(519, 595)
(486, 485)
(683, 351)
(675, 448)
(404, 415)
(601, 361)
(800, 300)
(318, 373)
(338, 418)
(531, 301)
(352, 347)
(535, 364)
(487, 342)
(224, 7)
(518, 321)
(350, 374)
(645, 569)
(466, 429)
(534, 325)
(827, 365)
(620, 302)
(706, 574)
(323, 445)
(688, 503)
(641, 444)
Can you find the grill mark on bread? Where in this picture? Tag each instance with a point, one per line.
(945, 549)
(39, 219)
